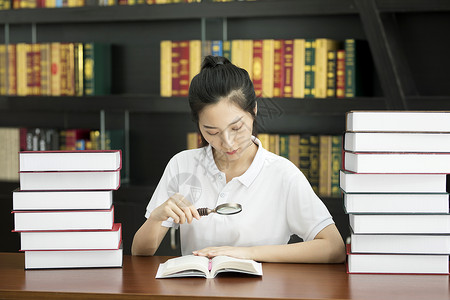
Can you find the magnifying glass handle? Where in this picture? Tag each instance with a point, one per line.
(204, 211)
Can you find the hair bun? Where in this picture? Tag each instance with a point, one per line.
(213, 61)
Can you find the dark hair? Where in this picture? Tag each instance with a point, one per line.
(219, 78)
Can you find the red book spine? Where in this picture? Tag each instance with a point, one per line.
(184, 68)
(278, 76)
(288, 54)
(340, 74)
(258, 67)
(175, 68)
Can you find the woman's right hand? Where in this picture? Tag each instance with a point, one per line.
(176, 207)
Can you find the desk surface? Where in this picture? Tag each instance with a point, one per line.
(283, 281)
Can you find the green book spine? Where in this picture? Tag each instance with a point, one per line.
(310, 62)
(284, 145)
(336, 164)
(304, 147)
(97, 69)
(358, 68)
(314, 157)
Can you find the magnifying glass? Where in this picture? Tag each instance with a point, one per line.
(223, 209)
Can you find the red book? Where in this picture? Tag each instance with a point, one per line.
(175, 68)
(184, 68)
(340, 74)
(258, 67)
(288, 55)
(278, 79)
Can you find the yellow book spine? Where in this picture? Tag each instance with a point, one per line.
(192, 140)
(12, 70)
(264, 138)
(320, 80)
(45, 77)
(21, 66)
(166, 68)
(294, 143)
(195, 57)
(268, 68)
(237, 48)
(3, 64)
(56, 69)
(299, 69)
(325, 165)
(247, 57)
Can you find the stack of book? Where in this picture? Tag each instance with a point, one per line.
(64, 210)
(395, 183)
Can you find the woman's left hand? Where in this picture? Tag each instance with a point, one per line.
(237, 252)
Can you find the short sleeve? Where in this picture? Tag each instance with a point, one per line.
(306, 213)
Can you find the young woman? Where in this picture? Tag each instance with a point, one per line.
(276, 198)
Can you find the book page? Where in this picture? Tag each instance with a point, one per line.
(226, 263)
(188, 265)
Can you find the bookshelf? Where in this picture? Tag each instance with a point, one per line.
(405, 38)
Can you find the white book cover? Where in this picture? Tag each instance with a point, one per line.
(61, 200)
(63, 220)
(401, 121)
(392, 183)
(80, 160)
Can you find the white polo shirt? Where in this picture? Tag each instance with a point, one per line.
(277, 201)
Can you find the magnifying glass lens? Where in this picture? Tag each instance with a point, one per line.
(228, 209)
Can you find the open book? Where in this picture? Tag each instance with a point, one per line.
(199, 266)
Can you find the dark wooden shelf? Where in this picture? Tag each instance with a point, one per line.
(413, 5)
(179, 11)
(157, 104)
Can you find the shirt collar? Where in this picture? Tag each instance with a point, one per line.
(250, 175)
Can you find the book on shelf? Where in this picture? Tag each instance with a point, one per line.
(76, 180)
(396, 203)
(331, 73)
(325, 165)
(393, 183)
(397, 263)
(63, 220)
(258, 67)
(336, 164)
(61, 200)
(400, 243)
(358, 68)
(200, 266)
(9, 149)
(63, 259)
(72, 240)
(340, 73)
(398, 121)
(310, 60)
(87, 160)
(323, 46)
(395, 162)
(400, 223)
(397, 142)
(97, 69)
(314, 162)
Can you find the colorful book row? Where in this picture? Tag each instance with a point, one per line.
(317, 156)
(18, 4)
(55, 69)
(289, 68)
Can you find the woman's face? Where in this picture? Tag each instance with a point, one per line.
(227, 128)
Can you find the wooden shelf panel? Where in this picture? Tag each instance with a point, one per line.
(157, 104)
(178, 11)
(413, 5)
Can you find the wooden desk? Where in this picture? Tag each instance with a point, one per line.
(283, 281)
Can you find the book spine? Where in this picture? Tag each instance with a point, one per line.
(3, 67)
(340, 74)
(294, 143)
(206, 48)
(166, 68)
(278, 69)
(78, 69)
(175, 68)
(183, 73)
(247, 57)
(268, 68)
(299, 69)
(314, 168)
(56, 69)
(284, 145)
(310, 59)
(21, 69)
(195, 58)
(45, 75)
(30, 69)
(350, 76)
(274, 143)
(226, 45)
(12, 71)
(304, 156)
(64, 68)
(258, 67)
(336, 160)
(288, 68)
(217, 49)
(331, 74)
(36, 48)
(325, 165)
(70, 69)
